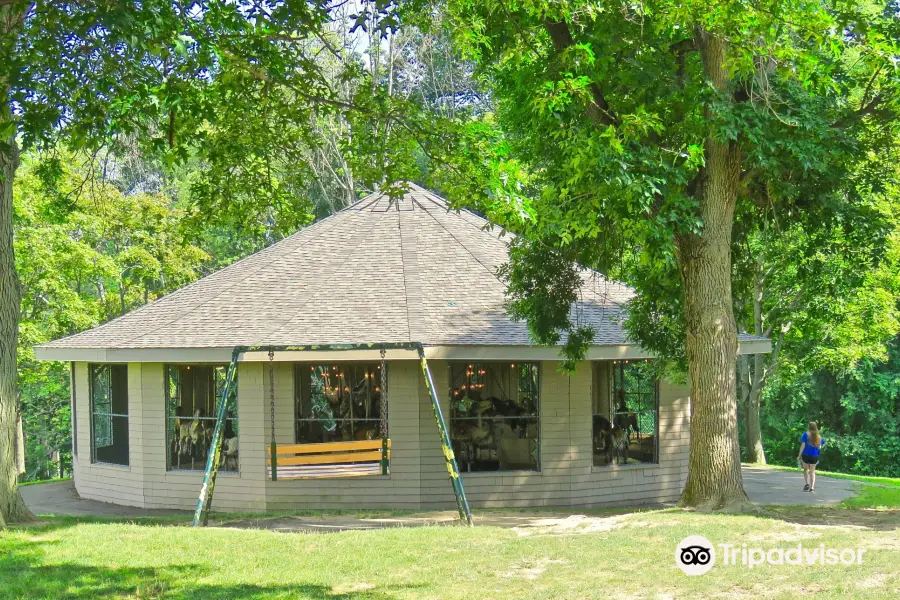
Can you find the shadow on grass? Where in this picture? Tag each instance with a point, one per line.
(833, 516)
(24, 574)
(336, 521)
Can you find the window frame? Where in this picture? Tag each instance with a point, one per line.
(610, 385)
(537, 416)
(170, 468)
(74, 409)
(111, 415)
(298, 370)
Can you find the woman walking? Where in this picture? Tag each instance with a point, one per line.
(810, 444)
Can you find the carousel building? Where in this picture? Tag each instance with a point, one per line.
(355, 427)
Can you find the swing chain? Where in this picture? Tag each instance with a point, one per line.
(272, 391)
(384, 427)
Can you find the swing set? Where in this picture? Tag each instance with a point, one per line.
(334, 459)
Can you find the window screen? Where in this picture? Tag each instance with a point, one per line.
(338, 402)
(625, 413)
(109, 414)
(494, 410)
(193, 393)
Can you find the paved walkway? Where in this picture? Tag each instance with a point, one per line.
(763, 485)
(59, 498)
(774, 486)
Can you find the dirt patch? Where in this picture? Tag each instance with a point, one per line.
(875, 581)
(574, 524)
(530, 570)
(352, 588)
(886, 543)
(736, 593)
(784, 536)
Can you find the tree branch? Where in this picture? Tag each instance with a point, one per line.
(261, 75)
(598, 110)
(795, 300)
(869, 108)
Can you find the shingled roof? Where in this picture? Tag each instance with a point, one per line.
(408, 270)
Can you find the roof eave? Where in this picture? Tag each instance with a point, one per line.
(434, 352)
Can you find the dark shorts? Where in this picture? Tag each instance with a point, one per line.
(810, 460)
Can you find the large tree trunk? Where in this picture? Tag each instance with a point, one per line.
(12, 508)
(714, 466)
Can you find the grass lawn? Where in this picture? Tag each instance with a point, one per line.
(609, 557)
(875, 496)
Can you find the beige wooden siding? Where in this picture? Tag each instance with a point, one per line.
(146, 482)
(418, 477)
(179, 489)
(551, 486)
(636, 484)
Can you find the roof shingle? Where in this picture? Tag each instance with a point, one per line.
(378, 271)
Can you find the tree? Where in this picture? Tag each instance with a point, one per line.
(638, 129)
(176, 77)
(858, 410)
(106, 254)
(825, 288)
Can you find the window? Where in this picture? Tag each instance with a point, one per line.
(193, 393)
(109, 414)
(626, 412)
(338, 403)
(494, 416)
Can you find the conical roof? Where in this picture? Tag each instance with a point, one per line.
(379, 271)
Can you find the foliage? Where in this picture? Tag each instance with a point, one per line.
(236, 111)
(233, 86)
(107, 254)
(858, 412)
(608, 108)
(826, 289)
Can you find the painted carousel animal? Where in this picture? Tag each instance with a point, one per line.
(229, 459)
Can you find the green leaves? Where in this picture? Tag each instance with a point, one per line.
(7, 129)
(608, 111)
(85, 253)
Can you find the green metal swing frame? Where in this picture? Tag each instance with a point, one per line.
(204, 501)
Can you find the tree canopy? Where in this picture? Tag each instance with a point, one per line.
(641, 130)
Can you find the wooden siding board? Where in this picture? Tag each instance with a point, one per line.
(418, 477)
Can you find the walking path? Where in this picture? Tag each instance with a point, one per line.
(59, 498)
(775, 486)
(763, 486)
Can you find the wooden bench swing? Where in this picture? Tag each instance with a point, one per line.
(330, 459)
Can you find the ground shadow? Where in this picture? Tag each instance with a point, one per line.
(869, 518)
(24, 574)
(335, 521)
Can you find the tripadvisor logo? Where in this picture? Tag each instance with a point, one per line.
(696, 555)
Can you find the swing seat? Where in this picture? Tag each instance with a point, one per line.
(333, 459)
